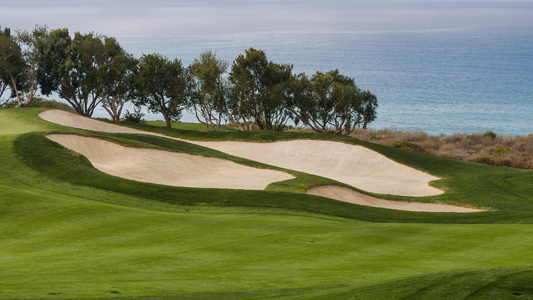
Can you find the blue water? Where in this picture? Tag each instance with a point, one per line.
(441, 67)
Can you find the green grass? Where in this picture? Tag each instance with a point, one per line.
(492, 283)
(69, 231)
(184, 125)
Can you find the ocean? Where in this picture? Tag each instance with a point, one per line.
(440, 67)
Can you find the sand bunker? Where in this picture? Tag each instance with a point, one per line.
(350, 164)
(69, 119)
(165, 167)
(348, 195)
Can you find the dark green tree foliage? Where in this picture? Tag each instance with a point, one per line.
(5, 32)
(245, 74)
(258, 91)
(276, 84)
(331, 100)
(29, 40)
(209, 90)
(55, 64)
(4, 80)
(90, 69)
(116, 79)
(11, 66)
(69, 67)
(163, 85)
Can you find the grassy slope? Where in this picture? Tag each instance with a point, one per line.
(56, 240)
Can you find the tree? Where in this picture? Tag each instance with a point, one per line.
(55, 61)
(258, 90)
(275, 89)
(331, 100)
(11, 66)
(209, 90)
(163, 85)
(116, 79)
(70, 67)
(4, 78)
(245, 77)
(29, 41)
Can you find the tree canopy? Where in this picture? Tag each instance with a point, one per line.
(163, 85)
(70, 67)
(116, 83)
(11, 66)
(259, 88)
(209, 90)
(87, 70)
(331, 100)
(29, 40)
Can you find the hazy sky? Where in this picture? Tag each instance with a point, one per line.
(130, 17)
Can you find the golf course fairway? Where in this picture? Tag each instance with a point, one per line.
(69, 231)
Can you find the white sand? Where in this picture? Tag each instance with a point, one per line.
(350, 164)
(165, 167)
(348, 195)
(69, 119)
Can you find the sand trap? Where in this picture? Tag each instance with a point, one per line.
(348, 195)
(69, 119)
(350, 164)
(165, 167)
(353, 165)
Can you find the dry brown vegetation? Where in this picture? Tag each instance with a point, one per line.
(487, 148)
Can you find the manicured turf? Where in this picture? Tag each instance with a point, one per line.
(483, 284)
(69, 231)
(184, 125)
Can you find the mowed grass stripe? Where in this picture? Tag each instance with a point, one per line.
(83, 248)
(484, 284)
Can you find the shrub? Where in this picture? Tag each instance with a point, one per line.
(484, 159)
(505, 162)
(489, 134)
(41, 102)
(475, 137)
(432, 143)
(135, 116)
(417, 136)
(502, 150)
(467, 144)
(375, 136)
(409, 146)
(487, 148)
(453, 139)
(445, 155)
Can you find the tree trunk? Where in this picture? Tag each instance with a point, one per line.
(167, 118)
(16, 91)
(33, 88)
